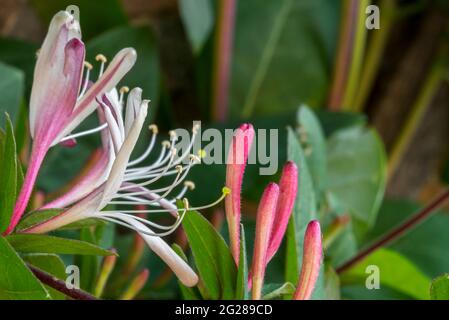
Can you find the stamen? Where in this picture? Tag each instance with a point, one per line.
(123, 90)
(85, 133)
(153, 129)
(102, 58)
(88, 67)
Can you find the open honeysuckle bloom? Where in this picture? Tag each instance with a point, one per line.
(60, 98)
(130, 184)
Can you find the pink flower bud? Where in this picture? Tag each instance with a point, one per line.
(265, 216)
(237, 157)
(311, 262)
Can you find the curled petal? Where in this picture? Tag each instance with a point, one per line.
(115, 178)
(132, 107)
(265, 217)
(119, 66)
(181, 269)
(311, 262)
(237, 157)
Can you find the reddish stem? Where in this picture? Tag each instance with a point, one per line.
(60, 285)
(343, 58)
(397, 232)
(222, 59)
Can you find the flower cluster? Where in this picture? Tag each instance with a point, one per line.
(273, 213)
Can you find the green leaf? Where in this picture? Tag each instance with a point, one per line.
(242, 272)
(282, 54)
(89, 265)
(187, 292)
(8, 176)
(274, 291)
(12, 89)
(51, 264)
(395, 271)
(439, 289)
(305, 205)
(16, 280)
(426, 245)
(198, 19)
(22, 55)
(332, 284)
(213, 259)
(312, 137)
(292, 268)
(357, 166)
(111, 13)
(36, 217)
(37, 243)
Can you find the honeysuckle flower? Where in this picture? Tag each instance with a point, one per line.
(237, 157)
(264, 223)
(60, 100)
(95, 174)
(128, 184)
(311, 262)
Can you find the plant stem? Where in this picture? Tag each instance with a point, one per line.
(374, 53)
(343, 57)
(222, 59)
(399, 231)
(60, 285)
(358, 51)
(428, 91)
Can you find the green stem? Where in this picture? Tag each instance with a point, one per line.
(357, 57)
(428, 91)
(376, 47)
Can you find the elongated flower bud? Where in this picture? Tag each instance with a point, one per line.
(265, 216)
(288, 186)
(311, 262)
(105, 272)
(136, 285)
(237, 157)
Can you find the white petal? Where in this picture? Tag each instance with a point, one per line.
(181, 269)
(121, 161)
(132, 107)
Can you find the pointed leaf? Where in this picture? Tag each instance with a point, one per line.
(38, 243)
(439, 289)
(213, 259)
(8, 176)
(16, 280)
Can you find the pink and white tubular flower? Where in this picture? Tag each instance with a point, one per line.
(130, 184)
(238, 154)
(60, 100)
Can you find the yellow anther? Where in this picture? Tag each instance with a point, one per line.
(153, 128)
(124, 89)
(202, 153)
(172, 134)
(101, 57)
(226, 191)
(166, 144)
(194, 158)
(178, 168)
(190, 185)
(88, 65)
